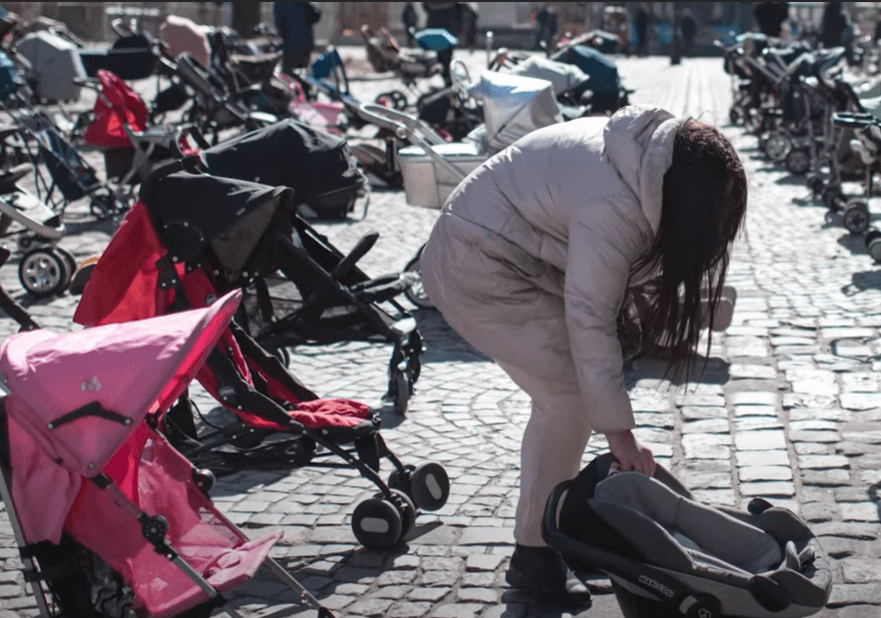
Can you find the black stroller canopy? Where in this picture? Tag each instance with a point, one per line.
(191, 212)
(288, 153)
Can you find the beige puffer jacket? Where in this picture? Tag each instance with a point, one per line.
(531, 254)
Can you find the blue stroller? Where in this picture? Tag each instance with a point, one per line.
(604, 81)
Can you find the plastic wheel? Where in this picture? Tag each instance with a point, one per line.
(429, 486)
(856, 217)
(400, 391)
(204, 479)
(43, 272)
(416, 293)
(777, 147)
(815, 184)
(797, 161)
(407, 509)
(72, 263)
(873, 244)
(377, 524)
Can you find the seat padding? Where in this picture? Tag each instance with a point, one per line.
(715, 533)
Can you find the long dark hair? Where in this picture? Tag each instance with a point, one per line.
(704, 202)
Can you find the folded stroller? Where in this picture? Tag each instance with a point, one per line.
(129, 530)
(195, 237)
(670, 556)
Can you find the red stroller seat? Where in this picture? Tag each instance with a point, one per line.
(156, 267)
(78, 422)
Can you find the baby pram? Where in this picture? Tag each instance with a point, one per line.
(608, 94)
(129, 529)
(120, 128)
(175, 251)
(409, 65)
(670, 556)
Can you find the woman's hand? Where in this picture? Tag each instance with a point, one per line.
(631, 455)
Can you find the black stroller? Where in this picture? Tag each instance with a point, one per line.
(669, 556)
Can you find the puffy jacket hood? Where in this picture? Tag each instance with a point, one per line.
(638, 141)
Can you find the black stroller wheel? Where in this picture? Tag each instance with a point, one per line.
(377, 524)
(856, 217)
(43, 272)
(71, 261)
(873, 244)
(407, 508)
(777, 147)
(798, 161)
(400, 391)
(429, 486)
(394, 99)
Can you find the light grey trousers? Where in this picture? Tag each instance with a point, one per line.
(552, 448)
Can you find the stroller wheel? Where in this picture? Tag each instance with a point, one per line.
(399, 390)
(43, 272)
(815, 184)
(856, 217)
(204, 479)
(797, 161)
(429, 486)
(416, 293)
(777, 147)
(72, 263)
(377, 524)
(873, 244)
(407, 509)
(400, 479)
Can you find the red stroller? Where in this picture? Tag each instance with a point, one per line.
(129, 530)
(159, 262)
(120, 127)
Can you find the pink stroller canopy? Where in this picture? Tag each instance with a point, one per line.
(76, 398)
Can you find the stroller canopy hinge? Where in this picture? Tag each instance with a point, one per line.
(90, 409)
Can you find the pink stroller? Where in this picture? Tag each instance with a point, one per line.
(127, 510)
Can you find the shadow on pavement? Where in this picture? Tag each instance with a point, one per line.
(712, 370)
(862, 281)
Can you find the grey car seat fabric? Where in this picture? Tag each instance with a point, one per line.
(636, 505)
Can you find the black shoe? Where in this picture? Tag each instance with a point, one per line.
(541, 572)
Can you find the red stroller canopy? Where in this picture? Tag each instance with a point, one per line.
(117, 107)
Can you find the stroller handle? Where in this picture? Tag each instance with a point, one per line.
(410, 129)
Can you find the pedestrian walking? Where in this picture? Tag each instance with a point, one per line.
(530, 260)
(642, 31)
(411, 22)
(688, 31)
(295, 24)
(469, 12)
(832, 25)
(445, 15)
(545, 27)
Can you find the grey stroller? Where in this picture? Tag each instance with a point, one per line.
(670, 556)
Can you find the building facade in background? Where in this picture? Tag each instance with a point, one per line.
(512, 23)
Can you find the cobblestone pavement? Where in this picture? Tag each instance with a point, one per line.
(788, 408)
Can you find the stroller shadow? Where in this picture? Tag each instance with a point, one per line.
(790, 179)
(862, 281)
(855, 243)
(708, 370)
(442, 343)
